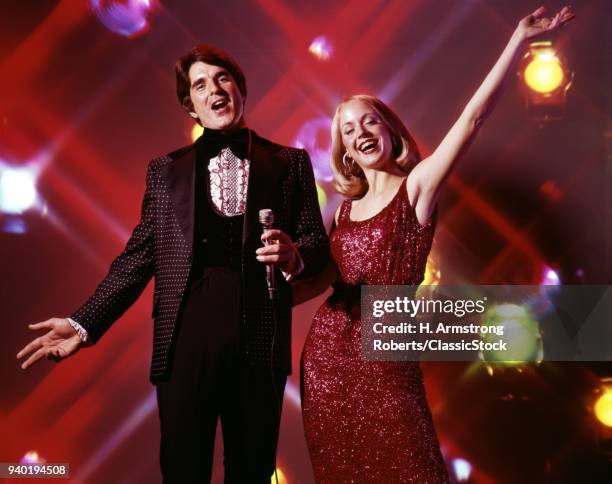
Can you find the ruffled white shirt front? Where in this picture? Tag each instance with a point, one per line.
(229, 179)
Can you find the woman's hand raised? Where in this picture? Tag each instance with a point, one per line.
(537, 24)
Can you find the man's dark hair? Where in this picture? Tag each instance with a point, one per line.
(209, 55)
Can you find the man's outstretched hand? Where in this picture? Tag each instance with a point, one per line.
(60, 341)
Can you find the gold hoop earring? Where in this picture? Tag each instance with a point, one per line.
(348, 164)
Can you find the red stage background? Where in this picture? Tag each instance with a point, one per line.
(87, 98)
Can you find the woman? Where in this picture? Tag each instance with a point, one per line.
(368, 421)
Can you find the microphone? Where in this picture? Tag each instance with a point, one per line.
(266, 219)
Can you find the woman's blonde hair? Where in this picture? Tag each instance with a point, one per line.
(352, 182)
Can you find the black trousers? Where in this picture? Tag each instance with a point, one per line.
(209, 381)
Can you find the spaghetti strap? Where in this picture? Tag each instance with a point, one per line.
(345, 210)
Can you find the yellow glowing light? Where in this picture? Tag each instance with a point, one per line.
(544, 73)
(282, 479)
(431, 278)
(432, 272)
(521, 332)
(322, 196)
(603, 408)
(196, 132)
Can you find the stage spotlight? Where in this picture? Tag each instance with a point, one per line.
(550, 277)
(321, 48)
(540, 304)
(603, 404)
(17, 189)
(521, 332)
(196, 132)
(462, 469)
(602, 410)
(314, 136)
(546, 80)
(129, 18)
(544, 73)
(31, 458)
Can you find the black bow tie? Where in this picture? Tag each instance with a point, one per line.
(213, 141)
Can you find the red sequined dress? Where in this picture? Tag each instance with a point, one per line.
(368, 421)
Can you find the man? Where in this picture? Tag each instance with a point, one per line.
(222, 348)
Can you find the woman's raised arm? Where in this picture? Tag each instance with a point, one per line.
(426, 179)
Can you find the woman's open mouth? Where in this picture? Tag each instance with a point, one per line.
(368, 146)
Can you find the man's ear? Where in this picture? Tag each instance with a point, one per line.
(193, 115)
